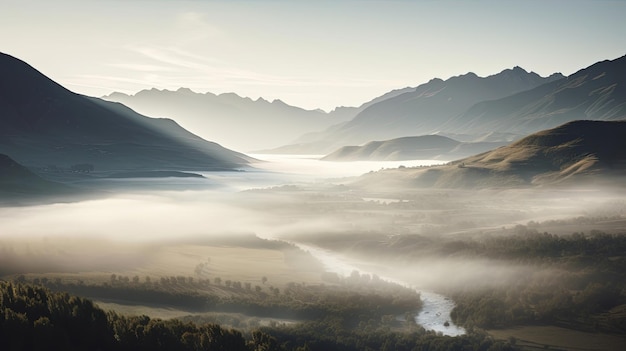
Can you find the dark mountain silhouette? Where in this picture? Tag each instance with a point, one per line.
(425, 147)
(573, 153)
(423, 110)
(18, 183)
(42, 123)
(597, 92)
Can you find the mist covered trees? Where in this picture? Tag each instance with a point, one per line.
(590, 282)
(34, 318)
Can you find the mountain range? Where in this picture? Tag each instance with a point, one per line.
(420, 111)
(238, 122)
(573, 153)
(496, 109)
(43, 124)
(597, 92)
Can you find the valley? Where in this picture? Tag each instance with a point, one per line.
(469, 212)
(253, 256)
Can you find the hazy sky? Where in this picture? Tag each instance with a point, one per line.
(306, 53)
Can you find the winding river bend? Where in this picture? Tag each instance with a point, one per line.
(436, 307)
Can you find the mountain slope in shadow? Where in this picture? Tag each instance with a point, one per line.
(42, 124)
(19, 185)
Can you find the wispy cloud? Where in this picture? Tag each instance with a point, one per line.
(142, 67)
(172, 67)
(214, 70)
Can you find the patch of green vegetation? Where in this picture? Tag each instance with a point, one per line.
(357, 297)
(590, 284)
(35, 318)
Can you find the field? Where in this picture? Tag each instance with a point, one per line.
(244, 259)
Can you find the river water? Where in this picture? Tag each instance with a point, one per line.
(290, 169)
(436, 307)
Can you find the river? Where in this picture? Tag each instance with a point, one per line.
(290, 169)
(436, 307)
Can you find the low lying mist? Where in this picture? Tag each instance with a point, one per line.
(409, 235)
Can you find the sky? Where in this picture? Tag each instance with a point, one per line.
(311, 54)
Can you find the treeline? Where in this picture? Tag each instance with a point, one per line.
(557, 304)
(575, 281)
(326, 336)
(34, 318)
(520, 244)
(527, 243)
(359, 296)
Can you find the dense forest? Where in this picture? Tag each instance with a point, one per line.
(359, 296)
(34, 318)
(574, 280)
(577, 281)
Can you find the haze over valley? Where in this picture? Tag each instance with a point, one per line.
(306, 176)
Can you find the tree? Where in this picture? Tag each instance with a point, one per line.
(264, 342)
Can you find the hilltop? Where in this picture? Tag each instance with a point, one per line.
(574, 153)
(425, 147)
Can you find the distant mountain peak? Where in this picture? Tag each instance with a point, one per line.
(185, 91)
(116, 95)
(230, 119)
(466, 76)
(230, 95)
(555, 76)
(427, 108)
(279, 102)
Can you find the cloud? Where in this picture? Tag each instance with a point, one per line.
(141, 67)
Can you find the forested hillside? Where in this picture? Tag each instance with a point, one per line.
(35, 318)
